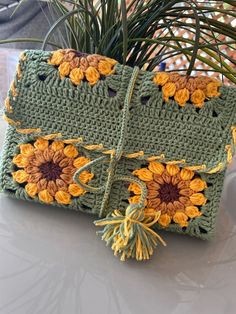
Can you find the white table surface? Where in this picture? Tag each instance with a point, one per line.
(52, 262)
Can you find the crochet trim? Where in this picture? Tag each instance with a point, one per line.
(80, 66)
(183, 89)
(45, 168)
(178, 193)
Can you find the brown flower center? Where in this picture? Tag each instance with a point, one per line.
(50, 170)
(168, 193)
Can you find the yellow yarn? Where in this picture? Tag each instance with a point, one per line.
(186, 174)
(63, 197)
(57, 145)
(135, 188)
(31, 189)
(41, 144)
(20, 176)
(198, 97)
(198, 199)
(86, 176)
(172, 169)
(161, 78)
(135, 155)
(70, 151)
(75, 190)
(57, 58)
(64, 69)
(181, 219)
(92, 75)
(8, 105)
(229, 153)
(105, 67)
(156, 167)
(144, 174)
(168, 90)
(20, 161)
(51, 136)
(212, 89)
(45, 196)
(28, 131)
(182, 96)
(10, 121)
(80, 162)
(218, 168)
(197, 185)
(26, 150)
(192, 211)
(76, 76)
(164, 220)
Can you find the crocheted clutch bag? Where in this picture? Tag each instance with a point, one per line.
(141, 150)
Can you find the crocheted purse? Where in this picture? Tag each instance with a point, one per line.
(141, 150)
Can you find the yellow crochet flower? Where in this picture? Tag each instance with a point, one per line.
(57, 57)
(92, 75)
(46, 168)
(182, 96)
(177, 192)
(198, 97)
(161, 78)
(168, 90)
(212, 89)
(64, 69)
(105, 67)
(76, 76)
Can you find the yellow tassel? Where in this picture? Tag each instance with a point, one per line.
(28, 131)
(130, 235)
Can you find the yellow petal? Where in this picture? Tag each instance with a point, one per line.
(156, 167)
(45, 196)
(31, 189)
(135, 200)
(172, 169)
(57, 145)
(63, 197)
(134, 187)
(105, 67)
(86, 176)
(198, 199)
(20, 161)
(198, 97)
(57, 58)
(64, 69)
(181, 219)
(27, 150)
(20, 176)
(75, 190)
(161, 78)
(192, 211)
(212, 89)
(76, 76)
(41, 144)
(197, 185)
(92, 75)
(164, 220)
(168, 90)
(70, 151)
(144, 174)
(80, 162)
(182, 96)
(186, 174)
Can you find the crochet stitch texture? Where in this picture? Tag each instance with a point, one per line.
(71, 102)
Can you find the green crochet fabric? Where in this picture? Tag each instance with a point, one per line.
(122, 124)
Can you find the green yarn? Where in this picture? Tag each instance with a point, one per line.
(55, 105)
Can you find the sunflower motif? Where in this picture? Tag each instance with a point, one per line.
(177, 192)
(82, 66)
(46, 169)
(183, 89)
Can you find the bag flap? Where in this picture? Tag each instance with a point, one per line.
(191, 122)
